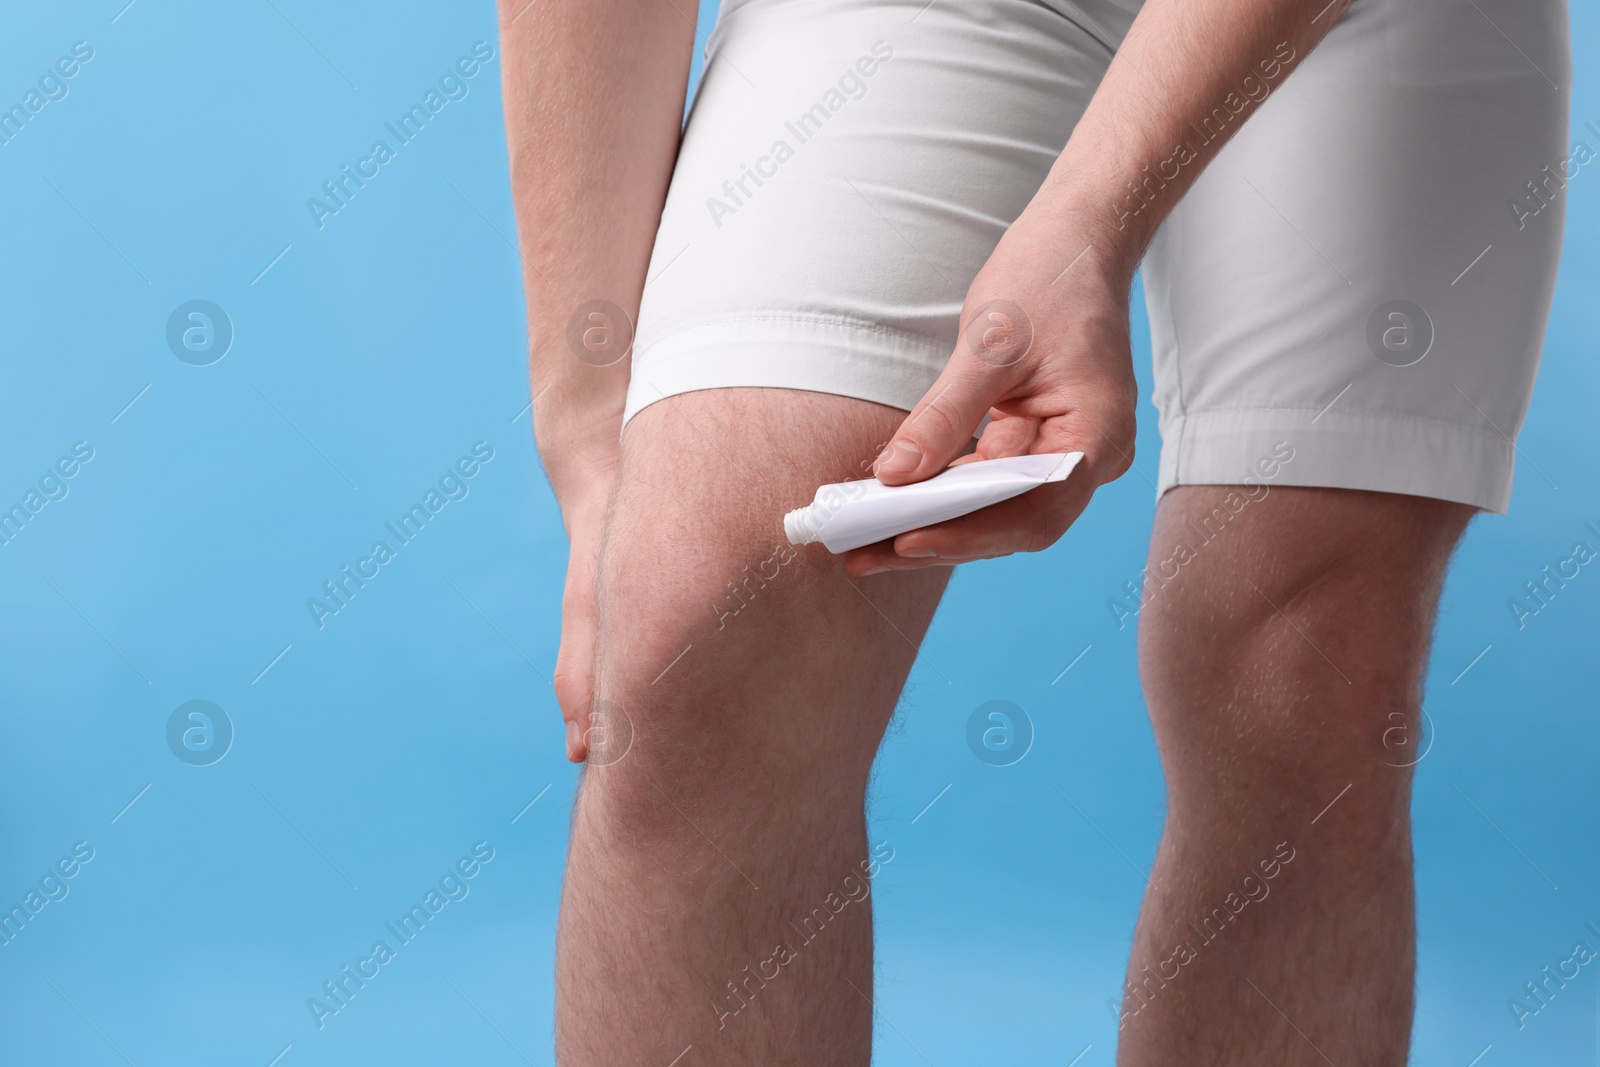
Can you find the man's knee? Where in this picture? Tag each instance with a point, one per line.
(735, 672)
(1288, 651)
(676, 718)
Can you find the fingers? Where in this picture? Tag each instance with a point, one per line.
(1103, 430)
(943, 422)
(1106, 426)
(934, 434)
(573, 679)
(1031, 522)
(1008, 437)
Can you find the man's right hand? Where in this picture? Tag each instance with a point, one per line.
(574, 673)
(580, 458)
(593, 93)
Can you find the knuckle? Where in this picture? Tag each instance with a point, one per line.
(571, 689)
(939, 420)
(1121, 459)
(1042, 533)
(1114, 434)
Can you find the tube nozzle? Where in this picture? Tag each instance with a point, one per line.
(800, 528)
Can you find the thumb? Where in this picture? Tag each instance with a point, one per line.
(974, 380)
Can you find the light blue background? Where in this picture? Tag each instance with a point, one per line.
(375, 751)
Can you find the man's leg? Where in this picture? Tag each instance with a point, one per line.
(716, 891)
(1283, 664)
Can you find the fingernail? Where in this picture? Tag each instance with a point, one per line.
(916, 553)
(901, 458)
(874, 570)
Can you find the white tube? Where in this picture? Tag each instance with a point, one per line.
(847, 515)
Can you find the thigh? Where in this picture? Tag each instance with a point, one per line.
(745, 665)
(1354, 275)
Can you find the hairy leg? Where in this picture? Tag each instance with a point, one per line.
(1282, 662)
(717, 891)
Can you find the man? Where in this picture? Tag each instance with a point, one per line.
(891, 206)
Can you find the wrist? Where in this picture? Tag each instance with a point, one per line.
(582, 487)
(1080, 230)
(579, 448)
(1092, 203)
(576, 407)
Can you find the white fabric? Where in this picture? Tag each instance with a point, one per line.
(850, 164)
